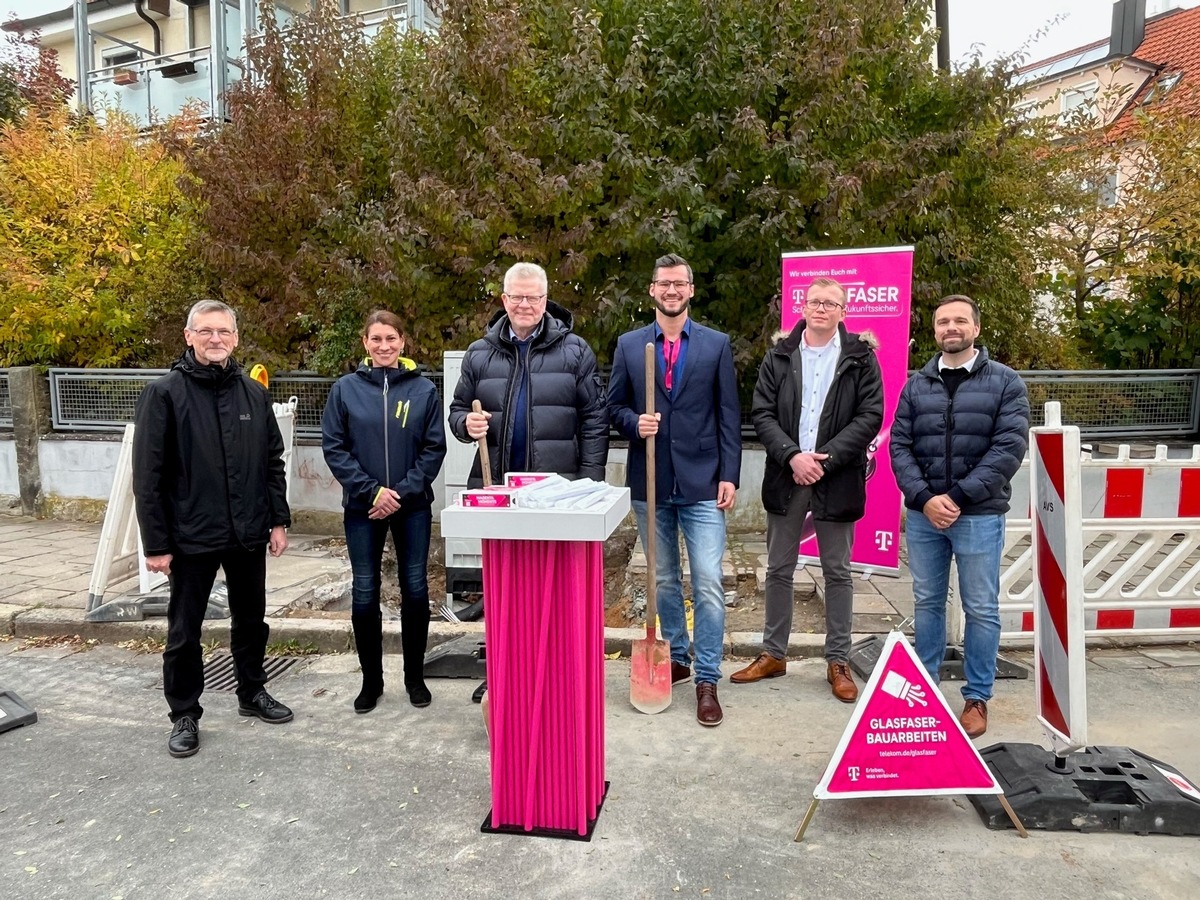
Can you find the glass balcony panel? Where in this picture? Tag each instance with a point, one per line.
(153, 96)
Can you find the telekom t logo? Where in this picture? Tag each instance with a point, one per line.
(852, 771)
(883, 540)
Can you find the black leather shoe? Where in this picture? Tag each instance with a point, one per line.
(477, 697)
(265, 707)
(185, 738)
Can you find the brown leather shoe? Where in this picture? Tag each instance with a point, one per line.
(765, 666)
(680, 674)
(844, 688)
(708, 708)
(974, 718)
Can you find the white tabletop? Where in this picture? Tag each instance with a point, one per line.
(537, 524)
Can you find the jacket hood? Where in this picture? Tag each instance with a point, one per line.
(930, 369)
(189, 365)
(853, 343)
(556, 319)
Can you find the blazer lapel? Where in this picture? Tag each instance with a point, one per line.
(695, 348)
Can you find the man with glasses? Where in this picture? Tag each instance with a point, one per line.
(961, 431)
(698, 458)
(543, 407)
(210, 492)
(818, 404)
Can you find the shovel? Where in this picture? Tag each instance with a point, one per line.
(485, 465)
(650, 659)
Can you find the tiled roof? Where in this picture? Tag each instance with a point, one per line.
(1172, 43)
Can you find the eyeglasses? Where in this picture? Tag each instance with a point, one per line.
(667, 285)
(525, 299)
(206, 333)
(823, 304)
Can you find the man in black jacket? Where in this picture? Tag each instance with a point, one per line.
(818, 404)
(543, 408)
(960, 433)
(210, 491)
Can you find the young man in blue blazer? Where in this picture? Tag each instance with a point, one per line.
(698, 458)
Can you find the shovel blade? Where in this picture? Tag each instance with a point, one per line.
(650, 676)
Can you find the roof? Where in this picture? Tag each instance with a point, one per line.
(1172, 43)
(67, 13)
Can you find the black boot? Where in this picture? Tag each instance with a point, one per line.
(368, 640)
(414, 636)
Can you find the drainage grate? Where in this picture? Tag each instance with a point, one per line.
(219, 674)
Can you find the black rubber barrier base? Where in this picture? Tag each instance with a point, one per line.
(462, 657)
(1096, 789)
(864, 655)
(563, 834)
(15, 712)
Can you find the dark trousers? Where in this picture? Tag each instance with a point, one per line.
(365, 538)
(192, 577)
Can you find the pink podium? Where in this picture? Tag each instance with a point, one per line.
(543, 590)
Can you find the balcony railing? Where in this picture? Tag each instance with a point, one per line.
(155, 88)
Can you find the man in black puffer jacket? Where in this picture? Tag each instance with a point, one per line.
(818, 404)
(961, 431)
(211, 492)
(543, 408)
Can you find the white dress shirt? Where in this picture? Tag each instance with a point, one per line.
(819, 364)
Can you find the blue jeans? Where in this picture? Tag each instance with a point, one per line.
(976, 543)
(703, 527)
(364, 542)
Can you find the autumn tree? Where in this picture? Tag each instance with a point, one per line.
(96, 243)
(284, 183)
(593, 137)
(29, 76)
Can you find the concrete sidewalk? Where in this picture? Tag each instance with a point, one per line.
(389, 804)
(47, 566)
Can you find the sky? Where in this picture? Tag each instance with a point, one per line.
(995, 27)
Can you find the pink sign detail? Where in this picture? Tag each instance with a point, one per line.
(878, 285)
(903, 740)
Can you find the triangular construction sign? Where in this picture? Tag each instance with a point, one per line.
(903, 740)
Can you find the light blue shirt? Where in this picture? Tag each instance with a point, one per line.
(819, 364)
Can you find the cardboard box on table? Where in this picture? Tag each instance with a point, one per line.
(543, 589)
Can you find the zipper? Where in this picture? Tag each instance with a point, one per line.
(387, 457)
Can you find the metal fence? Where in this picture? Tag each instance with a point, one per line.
(1161, 403)
(5, 401)
(1103, 404)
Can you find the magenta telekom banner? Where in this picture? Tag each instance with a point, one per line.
(878, 285)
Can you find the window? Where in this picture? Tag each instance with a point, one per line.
(120, 56)
(1079, 101)
(1162, 87)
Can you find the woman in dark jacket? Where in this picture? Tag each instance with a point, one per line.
(383, 440)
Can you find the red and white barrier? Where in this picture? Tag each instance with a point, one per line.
(1140, 573)
(1059, 658)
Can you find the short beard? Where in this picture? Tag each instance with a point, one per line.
(672, 314)
(946, 347)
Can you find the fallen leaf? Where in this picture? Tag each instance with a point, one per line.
(292, 820)
(52, 796)
(616, 655)
(154, 812)
(20, 852)
(404, 804)
(675, 889)
(352, 871)
(243, 805)
(170, 840)
(186, 830)
(415, 791)
(319, 692)
(32, 870)
(117, 838)
(393, 863)
(89, 823)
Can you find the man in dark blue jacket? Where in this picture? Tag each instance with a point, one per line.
(698, 458)
(211, 492)
(960, 433)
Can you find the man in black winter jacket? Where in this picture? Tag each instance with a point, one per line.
(210, 491)
(543, 408)
(818, 404)
(960, 433)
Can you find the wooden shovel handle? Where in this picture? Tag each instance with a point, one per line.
(651, 523)
(485, 464)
